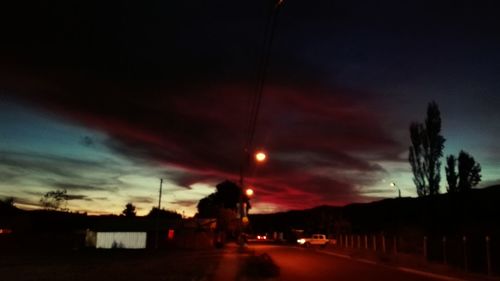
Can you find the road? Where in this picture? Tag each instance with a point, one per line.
(307, 264)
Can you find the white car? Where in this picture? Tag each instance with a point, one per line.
(316, 239)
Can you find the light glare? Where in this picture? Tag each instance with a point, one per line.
(260, 156)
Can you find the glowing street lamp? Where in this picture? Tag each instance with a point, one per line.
(249, 192)
(260, 156)
(393, 184)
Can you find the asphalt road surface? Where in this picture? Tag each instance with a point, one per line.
(307, 264)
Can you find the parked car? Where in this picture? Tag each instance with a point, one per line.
(315, 240)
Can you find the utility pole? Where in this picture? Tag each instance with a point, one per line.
(159, 197)
(158, 217)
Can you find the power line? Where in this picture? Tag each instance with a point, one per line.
(261, 79)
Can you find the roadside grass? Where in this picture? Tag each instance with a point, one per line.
(96, 265)
(259, 267)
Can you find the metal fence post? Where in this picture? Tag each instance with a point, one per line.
(464, 239)
(425, 247)
(383, 243)
(488, 256)
(352, 241)
(445, 261)
(375, 243)
(395, 245)
(366, 241)
(359, 241)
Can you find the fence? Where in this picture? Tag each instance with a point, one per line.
(479, 254)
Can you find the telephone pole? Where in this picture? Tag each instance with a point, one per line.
(159, 197)
(158, 217)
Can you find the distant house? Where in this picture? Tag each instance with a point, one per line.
(127, 233)
(113, 240)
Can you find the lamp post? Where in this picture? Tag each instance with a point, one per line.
(259, 157)
(249, 192)
(399, 190)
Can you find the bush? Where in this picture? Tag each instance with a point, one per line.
(261, 266)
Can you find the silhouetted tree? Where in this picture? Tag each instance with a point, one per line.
(416, 159)
(469, 171)
(223, 205)
(426, 151)
(55, 200)
(226, 196)
(451, 173)
(7, 202)
(165, 214)
(208, 206)
(129, 210)
(7, 206)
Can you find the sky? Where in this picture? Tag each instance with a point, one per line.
(104, 99)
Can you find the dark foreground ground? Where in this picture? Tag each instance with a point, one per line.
(311, 264)
(108, 265)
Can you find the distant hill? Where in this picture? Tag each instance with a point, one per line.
(476, 211)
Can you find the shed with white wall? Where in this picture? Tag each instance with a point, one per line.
(120, 240)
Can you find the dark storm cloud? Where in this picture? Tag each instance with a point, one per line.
(87, 141)
(186, 203)
(32, 163)
(140, 199)
(378, 191)
(170, 84)
(73, 186)
(69, 197)
(27, 202)
(78, 197)
(182, 99)
(57, 171)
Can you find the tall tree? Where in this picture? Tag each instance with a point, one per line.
(55, 200)
(208, 206)
(469, 171)
(165, 214)
(434, 147)
(129, 210)
(7, 206)
(451, 173)
(7, 202)
(226, 196)
(416, 159)
(425, 152)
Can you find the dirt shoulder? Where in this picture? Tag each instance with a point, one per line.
(108, 265)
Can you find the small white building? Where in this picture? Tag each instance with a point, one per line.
(116, 240)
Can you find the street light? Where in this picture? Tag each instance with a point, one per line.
(260, 156)
(393, 184)
(249, 192)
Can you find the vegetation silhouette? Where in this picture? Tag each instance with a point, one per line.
(469, 172)
(222, 205)
(164, 214)
(55, 200)
(129, 210)
(7, 206)
(226, 196)
(425, 152)
(451, 174)
(474, 212)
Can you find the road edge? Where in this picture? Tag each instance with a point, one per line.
(400, 268)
